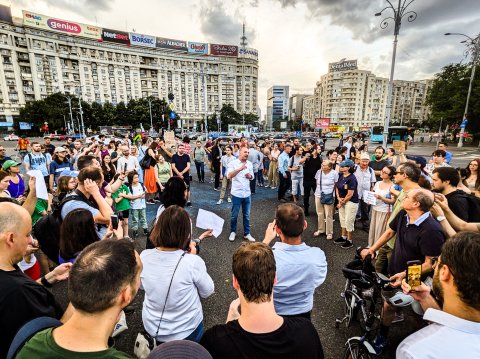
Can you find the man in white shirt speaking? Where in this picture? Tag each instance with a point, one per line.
(240, 172)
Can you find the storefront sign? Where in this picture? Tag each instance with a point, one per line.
(165, 43)
(142, 40)
(118, 37)
(67, 27)
(223, 50)
(322, 123)
(342, 65)
(200, 48)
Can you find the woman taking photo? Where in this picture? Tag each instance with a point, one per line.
(273, 169)
(174, 279)
(108, 168)
(325, 198)
(347, 194)
(381, 211)
(473, 179)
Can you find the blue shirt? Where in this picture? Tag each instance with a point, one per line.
(300, 270)
(57, 168)
(283, 161)
(448, 157)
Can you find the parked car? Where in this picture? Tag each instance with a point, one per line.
(11, 137)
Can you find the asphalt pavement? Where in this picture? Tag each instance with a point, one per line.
(217, 254)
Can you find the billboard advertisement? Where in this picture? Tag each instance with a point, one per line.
(223, 50)
(172, 44)
(199, 48)
(66, 27)
(248, 53)
(322, 123)
(118, 37)
(342, 65)
(25, 125)
(142, 40)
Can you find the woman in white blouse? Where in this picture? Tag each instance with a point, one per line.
(381, 211)
(174, 279)
(326, 179)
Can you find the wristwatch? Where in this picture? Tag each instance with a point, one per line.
(440, 218)
(196, 240)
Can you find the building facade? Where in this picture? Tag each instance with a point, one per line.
(355, 98)
(41, 55)
(295, 107)
(277, 104)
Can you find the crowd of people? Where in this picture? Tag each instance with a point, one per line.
(414, 209)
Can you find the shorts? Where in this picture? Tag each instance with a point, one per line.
(123, 214)
(186, 179)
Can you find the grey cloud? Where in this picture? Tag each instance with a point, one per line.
(219, 27)
(85, 8)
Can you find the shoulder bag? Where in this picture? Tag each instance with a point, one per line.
(325, 198)
(145, 343)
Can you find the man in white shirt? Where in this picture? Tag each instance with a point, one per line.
(240, 172)
(127, 163)
(366, 180)
(454, 330)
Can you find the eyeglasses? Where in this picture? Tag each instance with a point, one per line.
(434, 261)
(399, 172)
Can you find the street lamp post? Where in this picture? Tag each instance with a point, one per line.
(399, 13)
(69, 101)
(149, 100)
(476, 48)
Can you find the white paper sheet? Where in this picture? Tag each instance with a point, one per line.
(209, 220)
(39, 184)
(369, 198)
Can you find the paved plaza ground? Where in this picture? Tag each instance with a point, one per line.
(217, 254)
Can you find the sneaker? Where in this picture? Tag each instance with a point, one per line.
(216, 189)
(318, 233)
(347, 244)
(329, 237)
(231, 238)
(135, 234)
(229, 200)
(379, 344)
(249, 238)
(220, 201)
(273, 187)
(340, 240)
(189, 204)
(398, 318)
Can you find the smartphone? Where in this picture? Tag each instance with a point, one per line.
(125, 168)
(114, 220)
(414, 273)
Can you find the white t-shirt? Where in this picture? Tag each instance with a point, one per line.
(382, 206)
(328, 182)
(132, 164)
(225, 160)
(183, 310)
(364, 178)
(138, 203)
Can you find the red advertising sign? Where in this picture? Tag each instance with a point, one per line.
(322, 123)
(223, 50)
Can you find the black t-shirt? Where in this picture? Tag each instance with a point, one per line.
(414, 242)
(378, 166)
(181, 162)
(458, 203)
(344, 184)
(21, 300)
(50, 148)
(310, 168)
(296, 338)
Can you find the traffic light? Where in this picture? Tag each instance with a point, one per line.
(171, 97)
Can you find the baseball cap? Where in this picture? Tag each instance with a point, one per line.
(47, 136)
(69, 173)
(347, 163)
(10, 163)
(179, 349)
(364, 156)
(60, 149)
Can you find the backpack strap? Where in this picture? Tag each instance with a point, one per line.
(28, 330)
(29, 155)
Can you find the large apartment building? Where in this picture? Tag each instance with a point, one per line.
(41, 55)
(351, 97)
(277, 104)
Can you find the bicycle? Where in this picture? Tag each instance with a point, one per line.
(364, 293)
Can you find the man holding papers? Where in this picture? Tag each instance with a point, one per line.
(240, 172)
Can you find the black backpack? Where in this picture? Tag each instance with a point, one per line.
(473, 206)
(47, 229)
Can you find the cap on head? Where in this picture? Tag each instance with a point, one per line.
(347, 163)
(364, 156)
(60, 149)
(10, 163)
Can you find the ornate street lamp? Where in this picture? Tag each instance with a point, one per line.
(399, 12)
(475, 43)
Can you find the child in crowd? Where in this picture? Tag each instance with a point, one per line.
(121, 200)
(137, 204)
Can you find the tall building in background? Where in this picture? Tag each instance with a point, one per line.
(41, 55)
(353, 98)
(295, 107)
(277, 104)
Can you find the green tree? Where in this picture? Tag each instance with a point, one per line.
(448, 95)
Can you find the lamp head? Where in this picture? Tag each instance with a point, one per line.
(447, 33)
(378, 14)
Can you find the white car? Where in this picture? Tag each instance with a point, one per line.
(11, 137)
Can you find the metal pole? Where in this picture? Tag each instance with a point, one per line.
(389, 95)
(205, 99)
(150, 108)
(81, 117)
(439, 133)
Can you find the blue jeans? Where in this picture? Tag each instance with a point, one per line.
(197, 334)
(245, 203)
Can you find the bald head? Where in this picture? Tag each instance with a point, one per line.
(424, 197)
(12, 217)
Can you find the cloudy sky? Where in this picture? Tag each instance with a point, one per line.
(296, 39)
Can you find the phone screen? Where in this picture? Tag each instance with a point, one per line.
(414, 273)
(114, 219)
